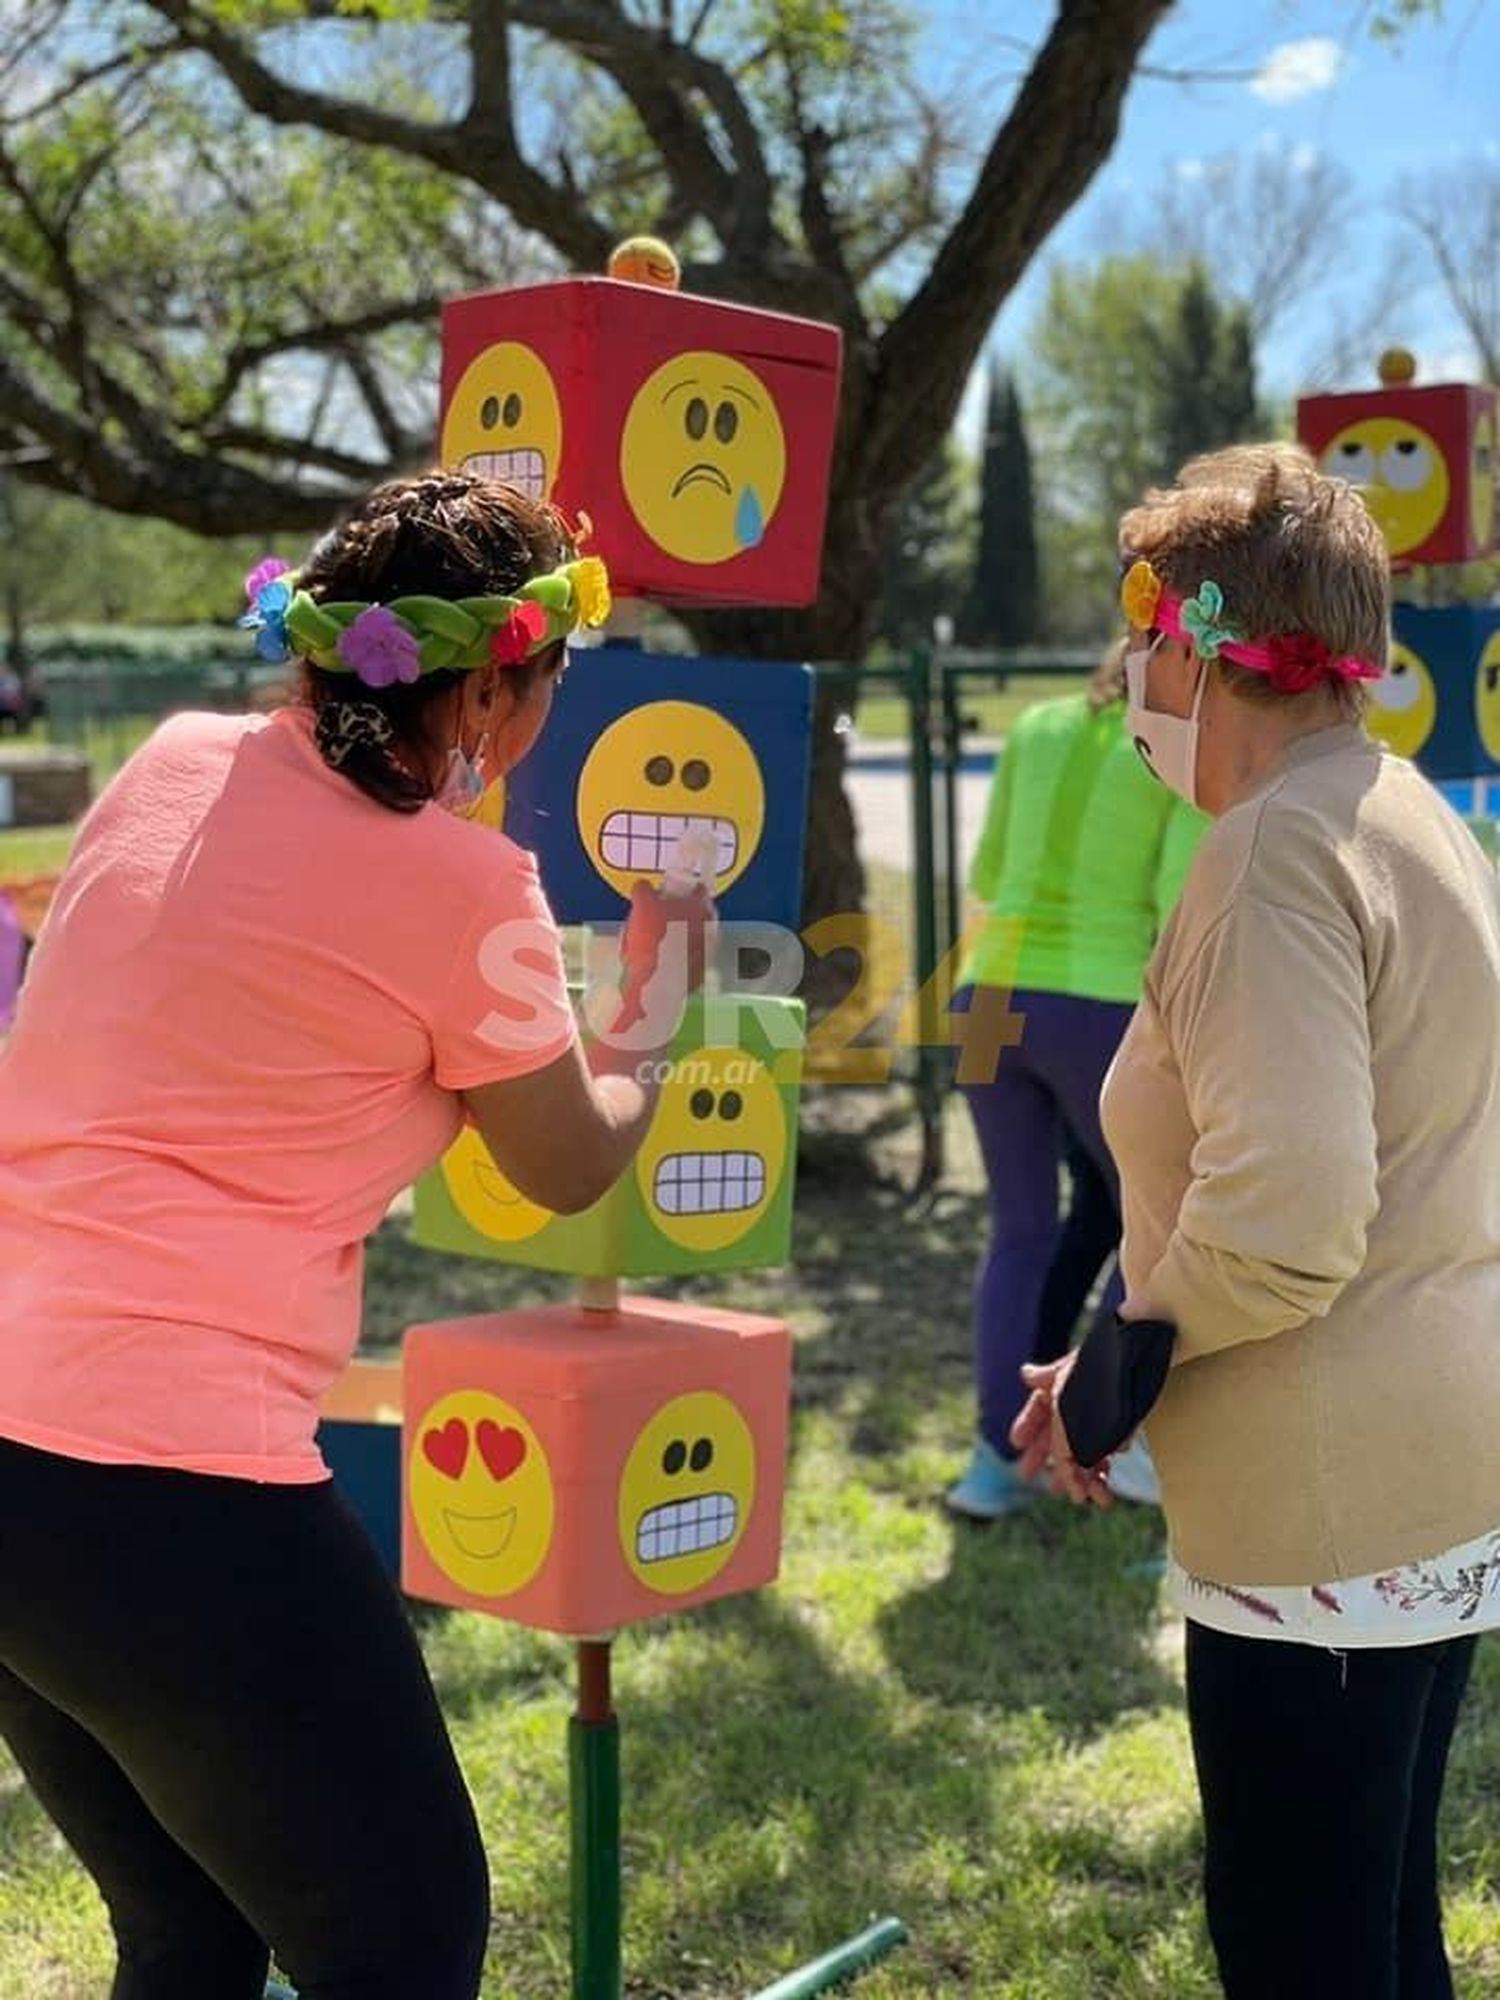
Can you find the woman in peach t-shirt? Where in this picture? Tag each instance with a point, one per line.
(276, 977)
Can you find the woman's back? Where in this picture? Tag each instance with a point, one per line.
(240, 1035)
(1075, 862)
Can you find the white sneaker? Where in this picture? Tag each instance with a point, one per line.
(1132, 1476)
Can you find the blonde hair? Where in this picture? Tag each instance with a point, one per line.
(1107, 682)
(1291, 549)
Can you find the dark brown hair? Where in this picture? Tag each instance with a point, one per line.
(437, 534)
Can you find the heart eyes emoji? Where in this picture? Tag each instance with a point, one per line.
(501, 1446)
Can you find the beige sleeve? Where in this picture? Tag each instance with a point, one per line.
(1271, 1032)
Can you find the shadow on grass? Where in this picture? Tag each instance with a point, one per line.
(764, 1790)
(1048, 1609)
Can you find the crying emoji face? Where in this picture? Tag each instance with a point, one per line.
(703, 457)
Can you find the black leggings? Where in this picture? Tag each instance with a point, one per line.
(1321, 1775)
(213, 1689)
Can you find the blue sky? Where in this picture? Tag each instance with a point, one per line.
(1318, 84)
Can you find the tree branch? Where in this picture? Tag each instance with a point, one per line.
(333, 335)
(480, 147)
(82, 79)
(1060, 129)
(210, 496)
(660, 78)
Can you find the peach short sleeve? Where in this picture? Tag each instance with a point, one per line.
(240, 1036)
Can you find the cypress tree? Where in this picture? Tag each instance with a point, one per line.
(1004, 599)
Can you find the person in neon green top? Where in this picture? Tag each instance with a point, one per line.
(1081, 858)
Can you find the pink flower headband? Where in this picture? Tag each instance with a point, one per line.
(1293, 662)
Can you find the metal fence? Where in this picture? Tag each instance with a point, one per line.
(942, 697)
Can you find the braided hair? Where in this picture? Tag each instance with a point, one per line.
(437, 534)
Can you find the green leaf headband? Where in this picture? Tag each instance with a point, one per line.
(412, 636)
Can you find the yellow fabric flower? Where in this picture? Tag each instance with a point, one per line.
(591, 590)
(1140, 593)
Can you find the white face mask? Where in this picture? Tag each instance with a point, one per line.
(1168, 744)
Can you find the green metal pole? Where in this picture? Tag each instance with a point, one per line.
(845, 1961)
(929, 1093)
(953, 750)
(594, 1794)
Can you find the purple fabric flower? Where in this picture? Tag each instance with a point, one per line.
(268, 568)
(379, 648)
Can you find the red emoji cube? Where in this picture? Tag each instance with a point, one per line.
(695, 434)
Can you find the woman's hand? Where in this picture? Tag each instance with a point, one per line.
(1040, 1436)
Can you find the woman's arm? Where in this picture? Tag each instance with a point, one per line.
(562, 1134)
(1271, 1033)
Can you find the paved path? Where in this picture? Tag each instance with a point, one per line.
(879, 786)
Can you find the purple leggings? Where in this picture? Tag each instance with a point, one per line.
(1045, 1093)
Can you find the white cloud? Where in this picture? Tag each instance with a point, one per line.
(1303, 157)
(1298, 69)
(1189, 169)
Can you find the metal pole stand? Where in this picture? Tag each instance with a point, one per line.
(594, 1807)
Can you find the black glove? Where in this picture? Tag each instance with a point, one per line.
(1113, 1383)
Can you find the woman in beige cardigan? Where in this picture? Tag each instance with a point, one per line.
(1306, 1116)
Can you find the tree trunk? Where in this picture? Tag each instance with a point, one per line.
(837, 628)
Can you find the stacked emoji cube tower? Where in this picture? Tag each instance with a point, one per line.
(575, 1467)
(1425, 459)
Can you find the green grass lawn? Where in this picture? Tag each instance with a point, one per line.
(979, 1730)
(33, 850)
(990, 714)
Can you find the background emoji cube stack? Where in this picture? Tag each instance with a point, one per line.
(1424, 457)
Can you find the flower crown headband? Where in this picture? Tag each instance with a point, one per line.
(412, 636)
(1293, 662)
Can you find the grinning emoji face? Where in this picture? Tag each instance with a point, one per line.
(1487, 696)
(1401, 472)
(1403, 704)
(658, 772)
(716, 1150)
(487, 1199)
(504, 420)
(703, 457)
(1482, 481)
(481, 1493)
(686, 1492)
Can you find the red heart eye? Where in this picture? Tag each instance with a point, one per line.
(448, 1447)
(502, 1447)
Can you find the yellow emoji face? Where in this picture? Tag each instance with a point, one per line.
(1487, 696)
(703, 457)
(716, 1150)
(1482, 480)
(481, 1493)
(487, 1199)
(489, 808)
(686, 1492)
(1403, 704)
(660, 771)
(504, 420)
(1400, 470)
